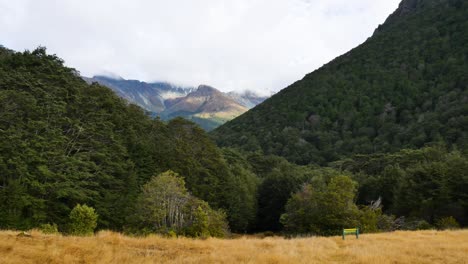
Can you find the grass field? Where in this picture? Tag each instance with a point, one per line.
(109, 247)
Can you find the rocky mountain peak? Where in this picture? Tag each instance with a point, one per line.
(205, 90)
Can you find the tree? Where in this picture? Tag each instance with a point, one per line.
(162, 202)
(83, 220)
(165, 206)
(322, 211)
(240, 192)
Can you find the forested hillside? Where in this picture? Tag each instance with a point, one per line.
(64, 142)
(404, 87)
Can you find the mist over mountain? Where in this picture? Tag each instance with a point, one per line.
(204, 105)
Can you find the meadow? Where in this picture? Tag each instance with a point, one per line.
(109, 247)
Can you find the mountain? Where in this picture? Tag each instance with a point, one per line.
(149, 96)
(405, 87)
(204, 105)
(248, 99)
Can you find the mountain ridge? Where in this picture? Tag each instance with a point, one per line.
(168, 100)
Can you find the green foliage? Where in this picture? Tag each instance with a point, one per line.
(83, 220)
(162, 203)
(447, 223)
(199, 226)
(206, 222)
(404, 87)
(65, 142)
(415, 224)
(49, 228)
(386, 223)
(171, 234)
(369, 220)
(279, 179)
(322, 210)
(165, 206)
(240, 192)
(427, 183)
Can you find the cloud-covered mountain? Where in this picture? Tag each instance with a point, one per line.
(204, 105)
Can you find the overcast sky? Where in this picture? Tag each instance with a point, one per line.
(260, 45)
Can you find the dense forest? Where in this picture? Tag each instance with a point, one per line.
(64, 142)
(404, 87)
(376, 139)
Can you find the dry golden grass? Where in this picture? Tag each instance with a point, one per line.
(109, 247)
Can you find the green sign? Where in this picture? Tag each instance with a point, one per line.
(351, 231)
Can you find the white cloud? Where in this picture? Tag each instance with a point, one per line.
(262, 45)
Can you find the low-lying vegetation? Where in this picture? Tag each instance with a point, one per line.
(428, 246)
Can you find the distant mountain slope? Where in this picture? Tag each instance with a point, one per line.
(149, 96)
(406, 86)
(248, 99)
(204, 105)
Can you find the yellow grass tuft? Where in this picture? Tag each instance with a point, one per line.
(110, 247)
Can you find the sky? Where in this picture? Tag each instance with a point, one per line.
(257, 45)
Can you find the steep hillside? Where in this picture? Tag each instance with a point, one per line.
(206, 106)
(406, 86)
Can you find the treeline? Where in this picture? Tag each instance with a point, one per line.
(410, 189)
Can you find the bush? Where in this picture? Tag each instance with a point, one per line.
(386, 223)
(171, 234)
(83, 220)
(199, 226)
(49, 228)
(416, 224)
(447, 223)
(423, 225)
(206, 222)
(369, 219)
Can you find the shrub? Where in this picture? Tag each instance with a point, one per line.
(49, 228)
(369, 219)
(416, 224)
(83, 220)
(423, 225)
(171, 234)
(199, 226)
(447, 223)
(268, 234)
(386, 223)
(206, 221)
